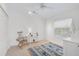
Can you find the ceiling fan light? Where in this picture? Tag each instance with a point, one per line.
(29, 12)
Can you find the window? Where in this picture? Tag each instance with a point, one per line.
(63, 28)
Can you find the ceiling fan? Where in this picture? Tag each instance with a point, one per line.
(42, 6)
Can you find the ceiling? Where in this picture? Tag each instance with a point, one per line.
(51, 10)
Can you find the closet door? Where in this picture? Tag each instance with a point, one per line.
(3, 32)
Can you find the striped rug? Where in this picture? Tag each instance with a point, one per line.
(48, 49)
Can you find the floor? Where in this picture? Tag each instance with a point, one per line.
(16, 51)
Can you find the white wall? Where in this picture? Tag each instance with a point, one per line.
(49, 29)
(3, 33)
(74, 14)
(22, 23)
(50, 32)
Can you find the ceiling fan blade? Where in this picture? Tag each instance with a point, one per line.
(44, 6)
